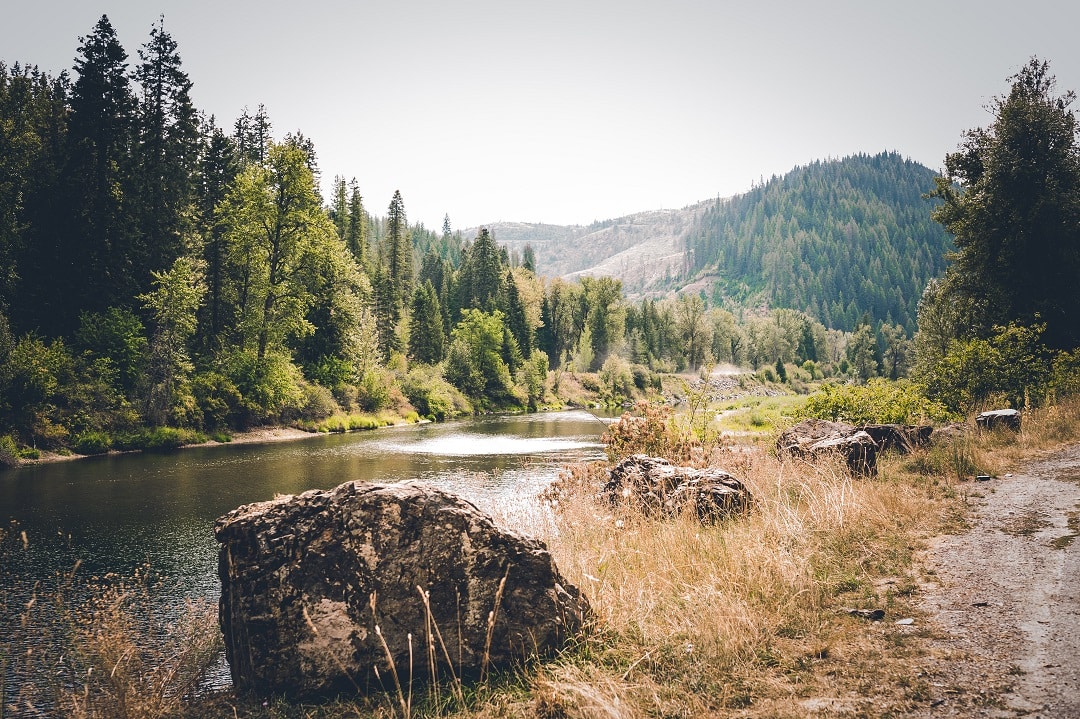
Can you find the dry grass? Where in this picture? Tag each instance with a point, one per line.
(748, 618)
(693, 620)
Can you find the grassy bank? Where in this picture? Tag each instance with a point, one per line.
(750, 618)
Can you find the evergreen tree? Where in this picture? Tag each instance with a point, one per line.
(339, 207)
(218, 167)
(399, 250)
(95, 269)
(252, 136)
(528, 258)
(1012, 200)
(167, 152)
(33, 127)
(426, 335)
(386, 311)
(355, 229)
(516, 321)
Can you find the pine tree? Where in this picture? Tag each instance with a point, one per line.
(96, 270)
(528, 258)
(426, 335)
(356, 228)
(218, 168)
(339, 207)
(399, 250)
(516, 321)
(167, 152)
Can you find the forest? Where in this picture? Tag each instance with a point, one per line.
(162, 272)
(836, 239)
(164, 278)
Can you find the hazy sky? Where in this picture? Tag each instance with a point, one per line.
(569, 112)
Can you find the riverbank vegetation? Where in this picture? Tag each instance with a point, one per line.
(163, 280)
(762, 615)
(164, 273)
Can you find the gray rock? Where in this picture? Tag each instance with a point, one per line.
(814, 438)
(798, 439)
(903, 438)
(1006, 418)
(313, 585)
(656, 487)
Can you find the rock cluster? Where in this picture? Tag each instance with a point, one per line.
(656, 487)
(814, 438)
(334, 590)
(858, 446)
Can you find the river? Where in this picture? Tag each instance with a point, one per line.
(117, 512)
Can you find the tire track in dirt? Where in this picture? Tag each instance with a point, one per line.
(1003, 599)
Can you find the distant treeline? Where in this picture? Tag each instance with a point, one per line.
(160, 271)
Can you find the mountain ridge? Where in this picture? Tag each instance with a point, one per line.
(833, 238)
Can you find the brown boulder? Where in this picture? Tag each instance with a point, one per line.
(314, 584)
(813, 438)
(656, 487)
(903, 438)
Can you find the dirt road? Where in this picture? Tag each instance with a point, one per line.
(1004, 599)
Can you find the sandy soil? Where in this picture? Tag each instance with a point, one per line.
(1004, 599)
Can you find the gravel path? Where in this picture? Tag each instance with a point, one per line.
(1004, 599)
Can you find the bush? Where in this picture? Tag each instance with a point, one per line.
(270, 386)
(651, 431)
(616, 380)
(318, 402)
(879, 401)
(9, 452)
(1013, 367)
(431, 394)
(158, 439)
(92, 443)
(373, 392)
(218, 400)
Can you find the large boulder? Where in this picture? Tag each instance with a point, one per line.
(656, 487)
(797, 440)
(1007, 418)
(814, 438)
(334, 590)
(902, 438)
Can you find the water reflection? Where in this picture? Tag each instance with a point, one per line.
(115, 513)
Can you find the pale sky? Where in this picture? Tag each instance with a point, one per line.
(572, 111)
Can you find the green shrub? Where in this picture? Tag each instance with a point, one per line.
(219, 402)
(9, 451)
(616, 380)
(158, 439)
(879, 401)
(270, 386)
(431, 394)
(318, 402)
(373, 391)
(92, 443)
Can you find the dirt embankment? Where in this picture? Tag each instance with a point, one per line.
(1004, 599)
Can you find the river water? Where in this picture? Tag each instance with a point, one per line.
(118, 512)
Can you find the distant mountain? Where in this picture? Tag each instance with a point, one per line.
(836, 239)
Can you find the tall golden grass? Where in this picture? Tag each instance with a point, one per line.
(746, 618)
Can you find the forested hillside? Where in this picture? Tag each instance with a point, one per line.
(835, 239)
(159, 271)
